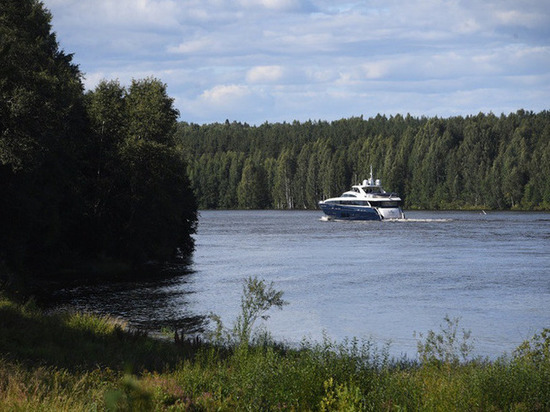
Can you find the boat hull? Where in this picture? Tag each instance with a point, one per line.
(343, 212)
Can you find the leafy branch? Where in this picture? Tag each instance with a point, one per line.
(258, 297)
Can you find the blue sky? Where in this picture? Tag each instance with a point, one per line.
(283, 60)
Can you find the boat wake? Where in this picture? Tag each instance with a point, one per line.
(330, 219)
(423, 220)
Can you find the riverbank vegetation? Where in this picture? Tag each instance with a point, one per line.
(75, 361)
(474, 162)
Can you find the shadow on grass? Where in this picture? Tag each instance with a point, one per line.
(78, 341)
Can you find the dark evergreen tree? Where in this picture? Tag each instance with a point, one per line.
(83, 176)
(42, 134)
(252, 191)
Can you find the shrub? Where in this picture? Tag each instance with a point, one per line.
(257, 298)
(445, 346)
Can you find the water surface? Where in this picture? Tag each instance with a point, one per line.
(375, 280)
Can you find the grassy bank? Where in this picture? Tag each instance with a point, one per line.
(75, 361)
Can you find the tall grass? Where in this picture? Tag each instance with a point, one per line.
(75, 361)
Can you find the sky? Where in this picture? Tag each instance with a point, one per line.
(253, 61)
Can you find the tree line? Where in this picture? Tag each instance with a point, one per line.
(481, 161)
(84, 176)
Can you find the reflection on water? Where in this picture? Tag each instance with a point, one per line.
(379, 280)
(156, 299)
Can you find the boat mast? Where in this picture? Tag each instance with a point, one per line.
(370, 178)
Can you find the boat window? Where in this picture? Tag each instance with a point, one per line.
(354, 202)
(385, 204)
(348, 195)
(372, 190)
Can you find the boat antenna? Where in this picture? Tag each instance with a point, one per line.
(370, 179)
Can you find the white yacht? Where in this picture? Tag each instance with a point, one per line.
(367, 201)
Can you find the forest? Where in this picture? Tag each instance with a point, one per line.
(84, 176)
(481, 161)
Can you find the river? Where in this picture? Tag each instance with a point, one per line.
(381, 281)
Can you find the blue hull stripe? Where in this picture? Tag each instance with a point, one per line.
(350, 212)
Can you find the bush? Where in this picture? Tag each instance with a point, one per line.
(445, 346)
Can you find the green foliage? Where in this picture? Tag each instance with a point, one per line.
(151, 113)
(473, 162)
(130, 397)
(341, 397)
(40, 87)
(42, 131)
(76, 341)
(85, 178)
(257, 298)
(80, 362)
(445, 346)
(143, 208)
(252, 191)
(536, 350)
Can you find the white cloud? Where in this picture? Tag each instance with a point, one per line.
(265, 74)
(199, 45)
(92, 80)
(278, 5)
(257, 60)
(378, 69)
(225, 95)
(120, 13)
(521, 17)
